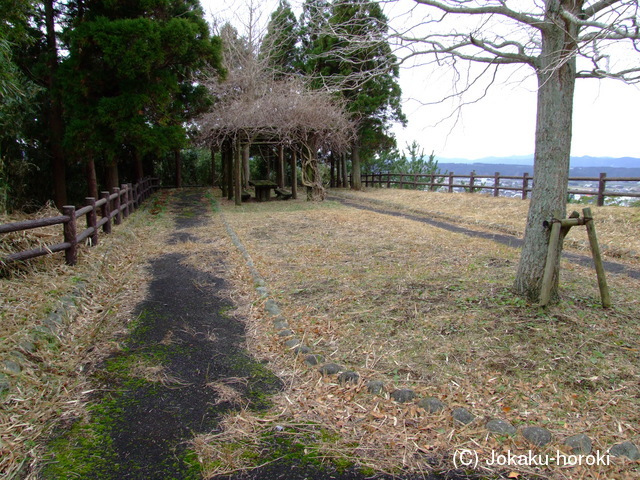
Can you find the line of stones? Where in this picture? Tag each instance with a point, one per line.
(579, 444)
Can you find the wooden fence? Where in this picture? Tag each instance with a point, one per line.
(474, 183)
(112, 208)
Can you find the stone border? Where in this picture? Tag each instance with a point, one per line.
(579, 444)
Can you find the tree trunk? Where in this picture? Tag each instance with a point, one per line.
(280, 167)
(139, 169)
(178, 167)
(356, 183)
(332, 170)
(246, 171)
(112, 176)
(345, 172)
(556, 83)
(214, 178)
(92, 181)
(294, 175)
(231, 149)
(237, 173)
(56, 122)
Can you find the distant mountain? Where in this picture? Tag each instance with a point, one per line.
(527, 160)
(519, 170)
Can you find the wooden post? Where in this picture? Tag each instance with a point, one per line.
(525, 185)
(401, 181)
(471, 181)
(388, 179)
(496, 184)
(601, 187)
(237, 174)
(450, 182)
(71, 253)
(117, 208)
(213, 149)
(549, 268)
(92, 220)
(231, 169)
(106, 212)
(294, 174)
(597, 259)
(415, 181)
(124, 189)
(280, 167)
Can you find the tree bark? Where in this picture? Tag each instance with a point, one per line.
(139, 168)
(178, 167)
(345, 173)
(332, 170)
(556, 83)
(56, 122)
(213, 150)
(294, 174)
(246, 171)
(112, 176)
(92, 181)
(356, 183)
(237, 173)
(280, 167)
(229, 162)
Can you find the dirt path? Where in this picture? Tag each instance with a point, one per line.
(182, 368)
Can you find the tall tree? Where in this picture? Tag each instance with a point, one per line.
(130, 78)
(279, 44)
(350, 53)
(548, 36)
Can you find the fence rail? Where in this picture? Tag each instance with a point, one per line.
(525, 183)
(113, 208)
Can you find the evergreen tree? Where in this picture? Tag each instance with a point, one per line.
(279, 46)
(364, 72)
(130, 79)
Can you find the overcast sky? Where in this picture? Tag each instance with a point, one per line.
(503, 123)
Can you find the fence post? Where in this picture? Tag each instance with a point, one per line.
(401, 182)
(106, 213)
(388, 179)
(415, 181)
(124, 189)
(450, 182)
(71, 253)
(601, 186)
(496, 184)
(117, 206)
(525, 185)
(91, 220)
(471, 181)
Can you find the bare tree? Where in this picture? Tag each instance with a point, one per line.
(561, 40)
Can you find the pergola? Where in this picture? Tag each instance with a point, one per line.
(283, 113)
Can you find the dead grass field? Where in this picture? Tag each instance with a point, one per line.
(618, 227)
(422, 308)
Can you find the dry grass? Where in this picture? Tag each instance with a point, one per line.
(100, 292)
(417, 307)
(617, 227)
(393, 299)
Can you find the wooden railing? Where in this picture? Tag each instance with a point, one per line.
(112, 207)
(474, 183)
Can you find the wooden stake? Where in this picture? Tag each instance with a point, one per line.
(547, 279)
(597, 259)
